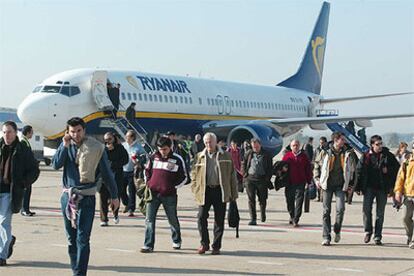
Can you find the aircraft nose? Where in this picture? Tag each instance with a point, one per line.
(33, 111)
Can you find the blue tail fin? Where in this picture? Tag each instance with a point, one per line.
(309, 75)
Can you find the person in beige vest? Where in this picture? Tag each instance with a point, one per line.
(213, 183)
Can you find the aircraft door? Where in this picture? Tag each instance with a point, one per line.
(220, 104)
(100, 92)
(227, 105)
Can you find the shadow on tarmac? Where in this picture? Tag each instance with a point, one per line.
(137, 269)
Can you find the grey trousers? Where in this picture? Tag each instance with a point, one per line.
(340, 211)
(408, 217)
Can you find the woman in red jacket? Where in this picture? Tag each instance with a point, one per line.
(300, 175)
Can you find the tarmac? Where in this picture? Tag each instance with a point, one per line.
(270, 248)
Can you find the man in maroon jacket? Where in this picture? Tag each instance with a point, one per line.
(300, 175)
(165, 172)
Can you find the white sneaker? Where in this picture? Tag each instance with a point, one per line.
(104, 223)
(146, 249)
(326, 243)
(411, 245)
(337, 237)
(116, 219)
(176, 245)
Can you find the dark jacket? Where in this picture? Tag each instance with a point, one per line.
(267, 166)
(130, 114)
(281, 177)
(163, 175)
(196, 147)
(24, 172)
(370, 171)
(118, 157)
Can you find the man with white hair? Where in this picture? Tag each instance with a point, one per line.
(300, 175)
(214, 183)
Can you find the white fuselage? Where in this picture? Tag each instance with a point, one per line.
(160, 96)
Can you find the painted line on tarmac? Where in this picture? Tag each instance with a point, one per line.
(59, 245)
(121, 250)
(345, 269)
(265, 263)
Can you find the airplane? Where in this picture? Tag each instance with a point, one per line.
(36, 142)
(186, 105)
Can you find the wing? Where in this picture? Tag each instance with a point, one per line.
(363, 120)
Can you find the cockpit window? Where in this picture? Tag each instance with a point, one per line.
(70, 90)
(37, 89)
(51, 89)
(74, 90)
(65, 91)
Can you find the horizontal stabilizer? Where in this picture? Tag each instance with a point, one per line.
(345, 99)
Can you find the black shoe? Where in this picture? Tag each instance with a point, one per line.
(12, 242)
(27, 214)
(3, 262)
(253, 222)
(378, 242)
(367, 238)
(263, 217)
(290, 221)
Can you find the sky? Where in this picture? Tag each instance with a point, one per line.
(370, 45)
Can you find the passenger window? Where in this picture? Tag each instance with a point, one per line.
(140, 97)
(181, 99)
(134, 96)
(166, 98)
(190, 100)
(160, 98)
(155, 98)
(123, 96)
(171, 99)
(185, 100)
(145, 97)
(200, 101)
(129, 96)
(208, 101)
(176, 99)
(150, 97)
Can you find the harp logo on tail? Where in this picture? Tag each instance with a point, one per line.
(318, 50)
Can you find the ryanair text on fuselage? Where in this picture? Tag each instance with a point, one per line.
(159, 84)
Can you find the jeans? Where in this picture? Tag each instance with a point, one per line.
(408, 217)
(130, 185)
(5, 225)
(294, 199)
(78, 239)
(169, 203)
(340, 211)
(26, 199)
(212, 197)
(259, 188)
(381, 201)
